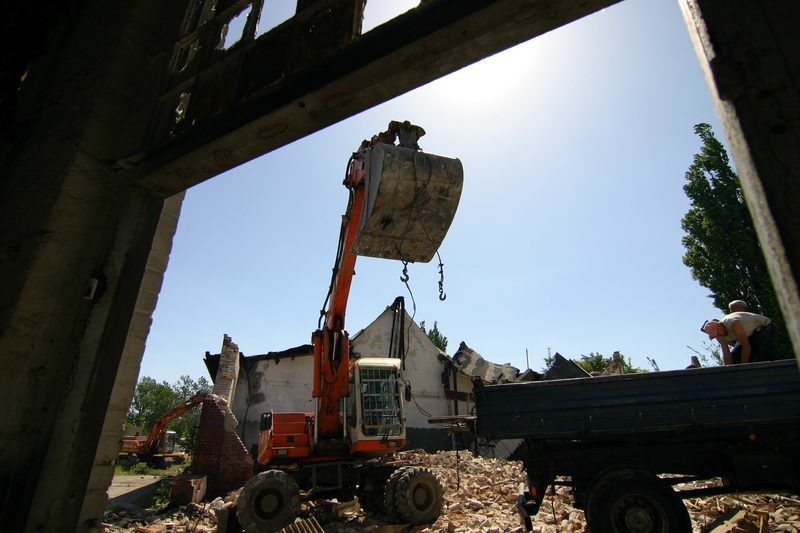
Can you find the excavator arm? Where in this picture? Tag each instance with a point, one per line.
(160, 425)
(400, 206)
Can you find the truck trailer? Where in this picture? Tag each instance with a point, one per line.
(626, 444)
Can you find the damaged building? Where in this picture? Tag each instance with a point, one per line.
(438, 385)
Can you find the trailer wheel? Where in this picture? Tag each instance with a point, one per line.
(417, 495)
(634, 501)
(269, 501)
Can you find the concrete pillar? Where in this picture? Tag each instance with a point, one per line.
(750, 51)
(128, 373)
(75, 242)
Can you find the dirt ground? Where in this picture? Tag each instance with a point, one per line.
(132, 489)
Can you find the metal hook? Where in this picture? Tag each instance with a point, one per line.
(405, 277)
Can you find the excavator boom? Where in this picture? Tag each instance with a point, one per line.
(401, 204)
(149, 445)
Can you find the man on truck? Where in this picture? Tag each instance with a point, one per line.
(750, 334)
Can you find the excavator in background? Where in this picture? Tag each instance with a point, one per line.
(401, 204)
(158, 448)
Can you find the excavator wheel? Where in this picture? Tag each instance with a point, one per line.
(417, 495)
(268, 502)
(370, 491)
(389, 504)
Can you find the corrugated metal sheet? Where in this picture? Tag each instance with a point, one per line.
(655, 401)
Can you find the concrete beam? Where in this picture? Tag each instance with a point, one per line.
(430, 41)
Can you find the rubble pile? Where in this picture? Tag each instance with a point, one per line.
(198, 518)
(748, 513)
(479, 496)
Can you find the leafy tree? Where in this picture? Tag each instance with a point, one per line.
(186, 426)
(596, 362)
(722, 249)
(436, 337)
(152, 399)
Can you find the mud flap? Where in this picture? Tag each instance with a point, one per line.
(411, 200)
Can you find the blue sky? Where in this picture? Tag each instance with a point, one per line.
(567, 238)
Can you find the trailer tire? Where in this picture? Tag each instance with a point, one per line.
(417, 495)
(268, 502)
(635, 501)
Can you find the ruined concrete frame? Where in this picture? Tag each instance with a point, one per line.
(434, 39)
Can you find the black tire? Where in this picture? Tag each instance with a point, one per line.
(371, 489)
(389, 504)
(371, 502)
(417, 495)
(268, 502)
(634, 501)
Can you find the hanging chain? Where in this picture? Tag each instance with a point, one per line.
(442, 295)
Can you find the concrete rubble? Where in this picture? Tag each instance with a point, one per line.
(480, 496)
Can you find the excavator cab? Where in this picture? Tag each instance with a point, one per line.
(374, 408)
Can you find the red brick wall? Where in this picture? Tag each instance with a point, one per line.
(219, 453)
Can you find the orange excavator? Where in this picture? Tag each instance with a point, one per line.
(401, 204)
(158, 447)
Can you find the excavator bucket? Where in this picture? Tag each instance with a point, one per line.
(411, 199)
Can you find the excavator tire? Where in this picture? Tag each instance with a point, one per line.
(417, 495)
(268, 502)
(389, 490)
(371, 489)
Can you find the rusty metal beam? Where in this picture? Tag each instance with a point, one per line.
(430, 41)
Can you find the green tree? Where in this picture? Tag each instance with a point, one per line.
(722, 249)
(436, 337)
(596, 362)
(186, 426)
(152, 399)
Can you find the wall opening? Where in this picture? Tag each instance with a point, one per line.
(274, 13)
(233, 30)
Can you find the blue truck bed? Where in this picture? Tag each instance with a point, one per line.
(613, 406)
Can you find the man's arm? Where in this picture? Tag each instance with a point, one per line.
(738, 330)
(726, 352)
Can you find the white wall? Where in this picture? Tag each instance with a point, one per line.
(285, 384)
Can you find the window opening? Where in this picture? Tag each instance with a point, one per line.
(185, 55)
(183, 105)
(376, 13)
(233, 31)
(274, 13)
